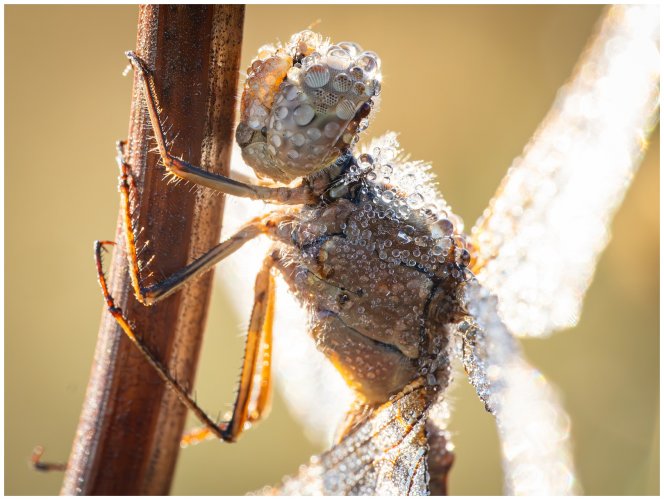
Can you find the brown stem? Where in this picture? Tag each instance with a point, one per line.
(128, 437)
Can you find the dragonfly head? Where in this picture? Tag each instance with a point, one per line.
(303, 104)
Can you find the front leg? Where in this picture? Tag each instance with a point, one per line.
(297, 195)
(148, 295)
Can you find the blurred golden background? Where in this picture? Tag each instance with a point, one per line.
(464, 85)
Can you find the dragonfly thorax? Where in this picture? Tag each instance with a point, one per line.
(381, 284)
(304, 104)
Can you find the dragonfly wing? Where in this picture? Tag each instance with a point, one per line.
(543, 231)
(313, 389)
(533, 427)
(384, 455)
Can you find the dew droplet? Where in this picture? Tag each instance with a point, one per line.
(303, 114)
(331, 130)
(415, 201)
(357, 73)
(403, 236)
(352, 48)
(317, 76)
(345, 110)
(359, 88)
(291, 93)
(445, 226)
(342, 83)
(313, 133)
(281, 112)
(337, 58)
(276, 140)
(369, 62)
(298, 139)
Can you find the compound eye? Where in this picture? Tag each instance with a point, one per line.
(318, 108)
(303, 104)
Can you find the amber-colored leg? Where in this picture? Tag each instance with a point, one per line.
(258, 346)
(37, 464)
(150, 294)
(286, 195)
(255, 388)
(116, 312)
(153, 293)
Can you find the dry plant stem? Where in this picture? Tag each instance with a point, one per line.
(128, 437)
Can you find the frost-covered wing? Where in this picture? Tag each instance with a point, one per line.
(313, 389)
(539, 240)
(533, 427)
(385, 455)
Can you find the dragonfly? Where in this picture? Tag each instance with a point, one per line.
(394, 289)
(543, 202)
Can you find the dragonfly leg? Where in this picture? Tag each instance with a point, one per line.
(161, 370)
(153, 293)
(38, 464)
(254, 391)
(285, 195)
(247, 408)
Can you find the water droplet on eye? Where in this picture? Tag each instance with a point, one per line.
(281, 112)
(415, 200)
(377, 87)
(359, 88)
(352, 48)
(345, 110)
(342, 83)
(313, 133)
(275, 140)
(357, 73)
(338, 58)
(298, 139)
(331, 130)
(317, 76)
(311, 59)
(303, 114)
(369, 62)
(291, 93)
(421, 241)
